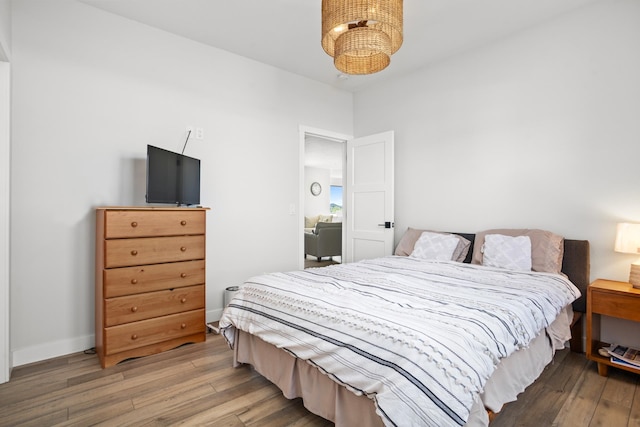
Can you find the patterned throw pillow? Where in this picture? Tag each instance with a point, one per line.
(411, 236)
(434, 246)
(547, 248)
(513, 253)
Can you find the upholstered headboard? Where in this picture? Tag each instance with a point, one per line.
(575, 264)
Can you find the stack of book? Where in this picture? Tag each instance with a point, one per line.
(625, 356)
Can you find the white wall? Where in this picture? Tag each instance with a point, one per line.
(90, 91)
(539, 130)
(315, 205)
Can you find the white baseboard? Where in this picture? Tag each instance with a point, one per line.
(50, 350)
(214, 315)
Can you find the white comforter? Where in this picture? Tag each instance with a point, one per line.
(420, 338)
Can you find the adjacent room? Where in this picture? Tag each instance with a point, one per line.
(490, 115)
(323, 204)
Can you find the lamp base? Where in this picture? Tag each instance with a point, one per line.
(634, 276)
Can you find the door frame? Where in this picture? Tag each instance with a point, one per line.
(5, 201)
(326, 134)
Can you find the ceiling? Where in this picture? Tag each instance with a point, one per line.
(286, 33)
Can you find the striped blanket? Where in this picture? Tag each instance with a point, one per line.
(420, 338)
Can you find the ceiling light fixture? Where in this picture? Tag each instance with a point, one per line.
(361, 35)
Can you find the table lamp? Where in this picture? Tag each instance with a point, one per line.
(628, 242)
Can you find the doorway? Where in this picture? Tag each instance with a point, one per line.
(322, 182)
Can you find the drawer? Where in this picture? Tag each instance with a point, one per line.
(153, 304)
(624, 306)
(124, 224)
(134, 280)
(153, 250)
(152, 331)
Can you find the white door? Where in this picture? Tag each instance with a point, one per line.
(369, 197)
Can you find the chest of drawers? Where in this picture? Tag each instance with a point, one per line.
(150, 280)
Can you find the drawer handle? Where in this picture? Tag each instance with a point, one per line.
(183, 249)
(184, 325)
(134, 281)
(134, 224)
(183, 275)
(183, 222)
(134, 337)
(134, 252)
(183, 300)
(134, 309)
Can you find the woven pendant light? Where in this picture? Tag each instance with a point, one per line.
(361, 35)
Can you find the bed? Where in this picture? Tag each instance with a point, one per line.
(408, 339)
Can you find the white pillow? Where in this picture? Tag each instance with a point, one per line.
(513, 253)
(434, 246)
(325, 218)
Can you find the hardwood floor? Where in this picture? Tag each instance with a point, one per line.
(312, 262)
(191, 385)
(196, 385)
(571, 393)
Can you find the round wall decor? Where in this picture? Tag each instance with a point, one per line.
(316, 188)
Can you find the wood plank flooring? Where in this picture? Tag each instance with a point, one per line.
(191, 385)
(312, 262)
(196, 385)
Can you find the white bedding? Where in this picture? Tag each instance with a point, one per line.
(420, 338)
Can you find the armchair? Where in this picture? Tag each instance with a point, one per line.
(324, 240)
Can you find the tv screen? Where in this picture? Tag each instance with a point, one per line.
(172, 177)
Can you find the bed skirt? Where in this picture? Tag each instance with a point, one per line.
(297, 378)
(328, 399)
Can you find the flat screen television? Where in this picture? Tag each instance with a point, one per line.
(172, 177)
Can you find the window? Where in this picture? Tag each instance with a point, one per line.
(335, 204)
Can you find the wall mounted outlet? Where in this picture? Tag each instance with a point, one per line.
(199, 133)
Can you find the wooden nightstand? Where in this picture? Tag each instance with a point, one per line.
(609, 298)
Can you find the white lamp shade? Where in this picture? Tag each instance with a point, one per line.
(628, 238)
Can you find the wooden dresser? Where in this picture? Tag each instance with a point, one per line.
(150, 280)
